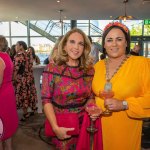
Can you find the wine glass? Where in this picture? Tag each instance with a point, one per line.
(92, 109)
(106, 94)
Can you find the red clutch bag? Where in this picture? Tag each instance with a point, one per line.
(68, 120)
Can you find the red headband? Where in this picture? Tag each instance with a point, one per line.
(117, 24)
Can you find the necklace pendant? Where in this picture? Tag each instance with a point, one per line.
(108, 86)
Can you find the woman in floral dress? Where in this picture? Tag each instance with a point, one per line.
(23, 80)
(66, 85)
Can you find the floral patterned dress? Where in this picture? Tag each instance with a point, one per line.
(24, 81)
(68, 89)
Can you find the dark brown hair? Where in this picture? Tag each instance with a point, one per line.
(24, 45)
(3, 44)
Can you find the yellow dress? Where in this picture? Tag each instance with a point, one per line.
(122, 130)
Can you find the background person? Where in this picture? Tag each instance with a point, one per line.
(23, 80)
(12, 52)
(36, 59)
(136, 50)
(8, 111)
(95, 50)
(131, 86)
(66, 85)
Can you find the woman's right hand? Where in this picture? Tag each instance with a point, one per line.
(97, 114)
(61, 132)
(93, 110)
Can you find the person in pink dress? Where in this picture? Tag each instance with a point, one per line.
(8, 111)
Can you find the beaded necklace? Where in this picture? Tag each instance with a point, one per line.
(108, 84)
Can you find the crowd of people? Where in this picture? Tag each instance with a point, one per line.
(75, 78)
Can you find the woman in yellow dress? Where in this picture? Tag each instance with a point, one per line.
(128, 77)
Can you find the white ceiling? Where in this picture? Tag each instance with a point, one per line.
(72, 9)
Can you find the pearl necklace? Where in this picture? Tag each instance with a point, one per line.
(108, 84)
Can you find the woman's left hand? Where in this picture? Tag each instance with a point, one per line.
(113, 104)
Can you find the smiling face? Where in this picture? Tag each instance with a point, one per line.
(115, 43)
(74, 47)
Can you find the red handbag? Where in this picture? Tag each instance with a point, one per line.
(68, 120)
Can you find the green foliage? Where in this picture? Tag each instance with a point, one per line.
(147, 30)
(136, 30)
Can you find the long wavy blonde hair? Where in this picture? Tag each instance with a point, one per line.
(85, 60)
(55, 48)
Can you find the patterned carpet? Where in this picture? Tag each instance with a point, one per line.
(34, 127)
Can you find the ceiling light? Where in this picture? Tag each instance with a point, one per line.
(60, 24)
(125, 16)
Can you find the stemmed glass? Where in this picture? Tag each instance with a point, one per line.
(106, 94)
(92, 109)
